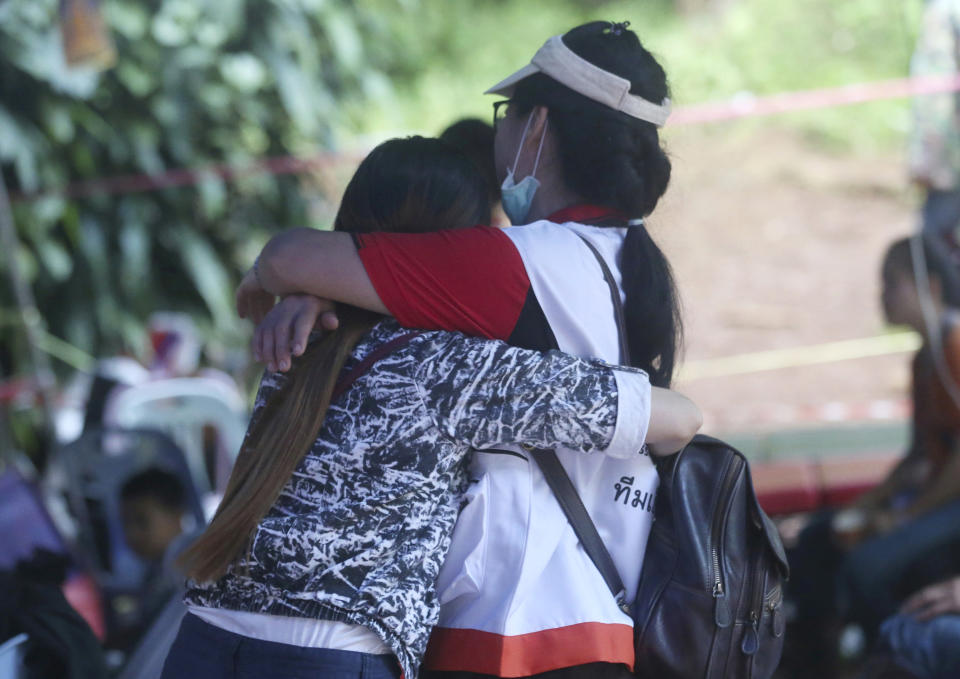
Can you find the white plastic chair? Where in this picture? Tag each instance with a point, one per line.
(181, 408)
(11, 657)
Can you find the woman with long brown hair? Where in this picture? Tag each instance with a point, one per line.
(323, 555)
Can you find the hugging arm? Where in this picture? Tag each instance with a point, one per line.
(320, 263)
(442, 280)
(486, 394)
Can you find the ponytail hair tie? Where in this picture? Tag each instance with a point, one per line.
(619, 28)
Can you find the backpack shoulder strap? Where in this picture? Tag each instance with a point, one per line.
(571, 504)
(618, 313)
(356, 372)
(559, 481)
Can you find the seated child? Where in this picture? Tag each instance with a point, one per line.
(152, 507)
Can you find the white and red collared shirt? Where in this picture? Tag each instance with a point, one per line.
(519, 595)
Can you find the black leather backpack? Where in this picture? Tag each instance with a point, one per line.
(710, 601)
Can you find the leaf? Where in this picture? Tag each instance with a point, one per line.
(44, 59)
(56, 260)
(243, 71)
(46, 212)
(345, 40)
(129, 19)
(166, 31)
(213, 196)
(58, 123)
(135, 249)
(138, 80)
(209, 276)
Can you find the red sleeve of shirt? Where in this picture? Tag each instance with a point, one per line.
(471, 280)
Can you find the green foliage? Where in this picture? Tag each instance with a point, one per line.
(757, 46)
(211, 81)
(196, 82)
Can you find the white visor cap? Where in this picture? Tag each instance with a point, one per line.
(568, 68)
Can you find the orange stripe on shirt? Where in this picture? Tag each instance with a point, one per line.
(469, 650)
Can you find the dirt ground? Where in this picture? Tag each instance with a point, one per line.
(776, 244)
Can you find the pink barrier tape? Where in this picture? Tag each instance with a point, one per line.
(774, 415)
(136, 183)
(748, 105)
(740, 106)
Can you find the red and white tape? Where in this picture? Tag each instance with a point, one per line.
(744, 105)
(831, 412)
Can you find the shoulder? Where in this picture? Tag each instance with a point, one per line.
(432, 343)
(546, 240)
(542, 231)
(429, 241)
(401, 349)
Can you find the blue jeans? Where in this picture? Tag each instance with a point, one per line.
(873, 570)
(203, 651)
(931, 649)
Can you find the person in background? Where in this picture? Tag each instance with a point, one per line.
(152, 504)
(934, 151)
(922, 641)
(152, 508)
(59, 641)
(872, 547)
(474, 138)
(175, 345)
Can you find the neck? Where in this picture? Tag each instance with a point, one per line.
(551, 197)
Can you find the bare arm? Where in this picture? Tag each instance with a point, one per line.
(311, 269)
(674, 420)
(320, 263)
(939, 599)
(902, 477)
(943, 488)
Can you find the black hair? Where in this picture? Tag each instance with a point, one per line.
(940, 265)
(413, 185)
(612, 159)
(474, 138)
(157, 484)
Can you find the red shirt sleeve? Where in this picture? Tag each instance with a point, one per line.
(472, 280)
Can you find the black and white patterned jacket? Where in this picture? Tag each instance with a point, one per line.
(360, 531)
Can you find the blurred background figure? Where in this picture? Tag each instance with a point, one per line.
(175, 344)
(474, 137)
(934, 158)
(858, 563)
(59, 642)
(110, 377)
(923, 640)
(153, 508)
(153, 505)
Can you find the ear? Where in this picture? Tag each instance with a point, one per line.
(538, 124)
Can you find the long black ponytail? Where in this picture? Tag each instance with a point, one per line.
(616, 161)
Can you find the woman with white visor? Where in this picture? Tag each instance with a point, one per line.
(578, 150)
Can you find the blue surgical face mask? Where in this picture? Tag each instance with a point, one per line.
(518, 197)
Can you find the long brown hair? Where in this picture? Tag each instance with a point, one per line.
(403, 186)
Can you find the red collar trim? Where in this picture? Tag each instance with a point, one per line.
(585, 213)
